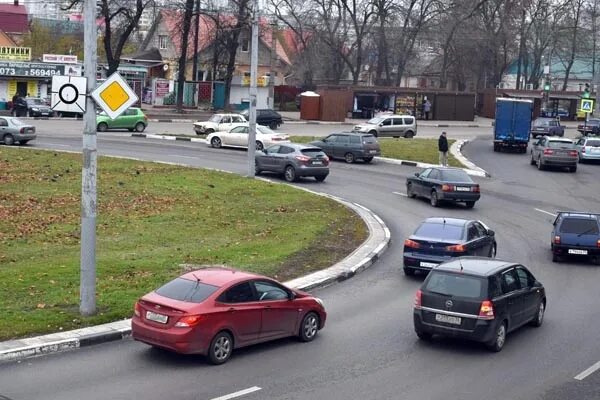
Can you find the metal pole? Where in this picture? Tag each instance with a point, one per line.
(195, 66)
(272, 74)
(253, 91)
(87, 296)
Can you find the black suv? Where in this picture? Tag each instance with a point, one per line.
(576, 234)
(478, 299)
(265, 117)
(350, 146)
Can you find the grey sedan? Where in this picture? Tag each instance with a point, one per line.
(13, 130)
(293, 161)
(556, 152)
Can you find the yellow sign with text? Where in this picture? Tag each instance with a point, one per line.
(15, 53)
(261, 81)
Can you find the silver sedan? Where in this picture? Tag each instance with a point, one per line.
(13, 130)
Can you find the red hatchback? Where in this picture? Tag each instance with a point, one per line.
(214, 310)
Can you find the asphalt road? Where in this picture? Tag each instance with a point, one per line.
(368, 349)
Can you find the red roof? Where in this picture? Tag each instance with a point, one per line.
(13, 19)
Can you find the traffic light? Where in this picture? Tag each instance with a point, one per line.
(586, 91)
(547, 86)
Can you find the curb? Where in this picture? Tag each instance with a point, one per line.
(359, 260)
(455, 150)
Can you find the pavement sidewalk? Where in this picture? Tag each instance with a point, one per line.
(362, 258)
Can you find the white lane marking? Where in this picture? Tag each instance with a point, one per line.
(58, 145)
(238, 394)
(400, 194)
(177, 155)
(545, 212)
(588, 371)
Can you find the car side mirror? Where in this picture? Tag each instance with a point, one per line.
(291, 296)
(491, 232)
(417, 174)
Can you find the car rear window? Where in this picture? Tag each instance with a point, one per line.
(456, 176)
(593, 142)
(369, 139)
(312, 152)
(458, 285)
(559, 144)
(186, 290)
(579, 225)
(440, 231)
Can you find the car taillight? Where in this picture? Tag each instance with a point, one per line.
(447, 188)
(137, 310)
(548, 151)
(303, 159)
(325, 160)
(556, 239)
(418, 299)
(456, 247)
(188, 321)
(573, 153)
(475, 188)
(598, 243)
(486, 311)
(411, 243)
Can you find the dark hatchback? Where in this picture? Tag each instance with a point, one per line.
(478, 299)
(443, 184)
(266, 117)
(576, 234)
(438, 240)
(350, 146)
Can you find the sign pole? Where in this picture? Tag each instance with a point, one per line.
(253, 92)
(87, 295)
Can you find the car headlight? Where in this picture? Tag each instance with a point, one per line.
(35, 109)
(318, 300)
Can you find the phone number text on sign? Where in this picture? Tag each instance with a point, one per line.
(40, 72)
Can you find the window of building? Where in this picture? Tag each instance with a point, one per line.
(163, 41)
(245, 43)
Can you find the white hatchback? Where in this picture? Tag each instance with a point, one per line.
(238, 137)
(218, 122)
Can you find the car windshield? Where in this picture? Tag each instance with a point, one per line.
(186, 290)
(245, 113)
(214, 118)
(454, 285)
(265, 130)
(313, 152)
(579, 226)
(37, 102)
(440, 231)
(539, 122)
(375, 121)
(556, 144)
(369, 139)
(455, 175)
(593, 142)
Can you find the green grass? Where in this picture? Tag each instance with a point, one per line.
(152, 218)
(416, 149)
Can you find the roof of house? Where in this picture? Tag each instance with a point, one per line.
(6, 40)
(13, 19)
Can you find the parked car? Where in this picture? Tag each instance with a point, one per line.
(350, 146)
(37, 107)
(218, 123)
(238, 137)
(293, 161)
(213, 311)
(478, 299)
(588, 148)
(390, 126)
(554, 152)
(132, 119)
(266, 117)
(547, 126)
(591, 126)
(576, 234)
(13, 130)
(439, 239)
(443, 184)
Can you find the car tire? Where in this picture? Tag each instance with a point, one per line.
(139, 127)
(374, 133)
(573, 169)
(273, 125)
(320, 178)
(59, 114)
(555, 258)
(409, 191)
(368, 159)
(8, 139)
(290, 174)
(538, 320)
(102, 127)
(539, 164)
(257, 170)
(209, 131)
(216, 142)
(23, 142)
(409, 135)
(532, 162)
(349, 158)
(496, 147)
(492, 253)
(221, 347)
(497, 343)
(470, 204)
(259, 145)
(424, 336)
(309, 327)
(408, 271)
(433, 199)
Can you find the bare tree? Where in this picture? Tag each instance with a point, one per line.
(574, 14)
(186, 24)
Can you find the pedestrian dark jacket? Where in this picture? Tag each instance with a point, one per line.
(442, 143)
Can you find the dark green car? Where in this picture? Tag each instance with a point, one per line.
(132, 119)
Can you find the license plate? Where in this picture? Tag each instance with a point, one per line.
(30, 130)
(372, 151)
(428, 264)
(152, 316)
(595, 151)
(577, 251)
(317, 162)
(463, 189)
(447, 319)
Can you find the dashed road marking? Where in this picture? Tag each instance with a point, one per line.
(588, 371)
(545, 212)
(179, 156)
(400, 194)
(238, 393)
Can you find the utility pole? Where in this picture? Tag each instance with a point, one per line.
(272, 74)
(253, 91)
(195, 66)
(87, 295)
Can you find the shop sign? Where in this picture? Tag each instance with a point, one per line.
(59, 58)
(15, 53)
(34, 70)
(162, 88)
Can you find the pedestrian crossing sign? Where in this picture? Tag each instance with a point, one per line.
(586, 106)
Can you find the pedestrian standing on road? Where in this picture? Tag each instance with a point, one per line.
(427, 109)
(443, 149)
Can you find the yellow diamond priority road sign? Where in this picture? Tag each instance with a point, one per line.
(114, 96)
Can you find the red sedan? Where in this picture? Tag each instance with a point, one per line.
(214, 310)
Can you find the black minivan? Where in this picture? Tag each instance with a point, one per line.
(479, 299)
